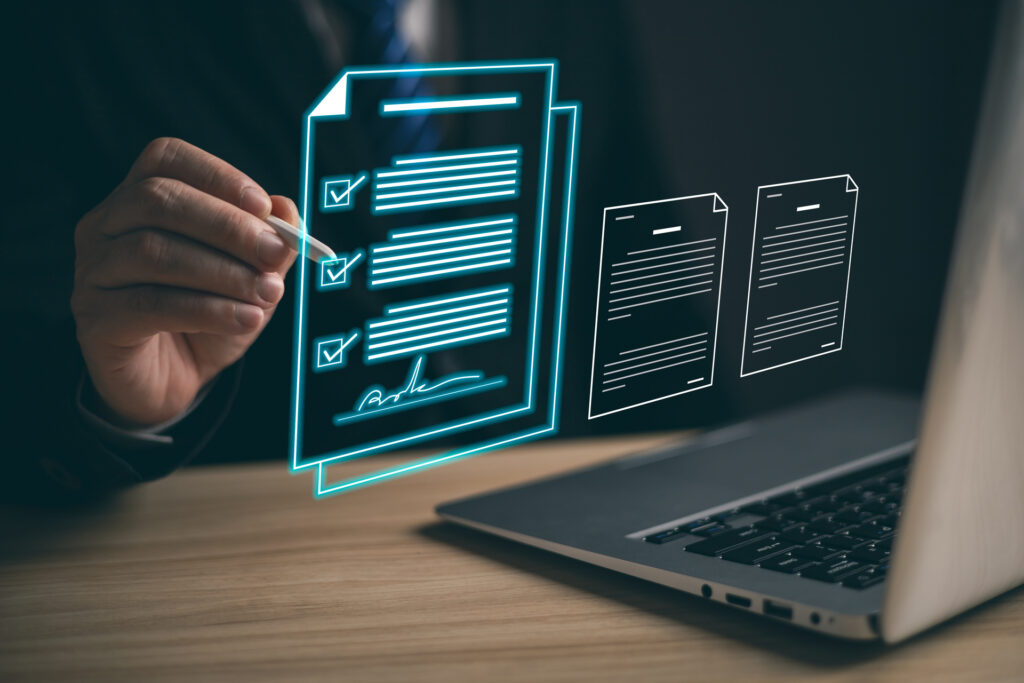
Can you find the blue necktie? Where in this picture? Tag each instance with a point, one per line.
(380, 42)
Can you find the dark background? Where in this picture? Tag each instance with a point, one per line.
(678, 99)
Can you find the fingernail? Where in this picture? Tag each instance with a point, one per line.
(255, 201)
(248, 317)
(270, 288)
(271, 249)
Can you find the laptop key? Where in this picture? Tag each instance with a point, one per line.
(872, 531)
(841, 542)
(800, 533)
(722, 542)
(828, 525)
(815, 552)
(777, 522)
(822, 504)
(666, 536)
(882, 505)
(712, 529)
(854, 514)
(835, 570)
(800, 514)
(864, 579)
(869, 553)
(754, 553)
(786, 563)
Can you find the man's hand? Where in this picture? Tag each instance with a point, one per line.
(176, 274)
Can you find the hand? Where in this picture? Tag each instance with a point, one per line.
(176, 274)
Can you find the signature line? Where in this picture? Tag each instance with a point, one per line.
(360, 415)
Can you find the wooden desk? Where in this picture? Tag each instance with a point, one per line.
(236, 573)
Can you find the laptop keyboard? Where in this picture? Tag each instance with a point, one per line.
(838, 531)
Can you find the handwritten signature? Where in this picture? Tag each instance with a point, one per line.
(415, 387)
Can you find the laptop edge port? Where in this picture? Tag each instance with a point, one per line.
(780, 611)
(737, 600)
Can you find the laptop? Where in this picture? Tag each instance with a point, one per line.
(861, 514)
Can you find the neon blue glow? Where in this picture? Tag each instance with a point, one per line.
(321, 486)
(436, 323)
(434, 314)
(437, 345)
(472, 198)
(431, 302)
(334, 271)
(447, 250)
(443, 240)
(447, 178)
(448, 104)
(444, 169)
(439, 261)
(417, 392)
(334, 104)
(332, 351)
(438, 333)
(430, 264)
(456, 155)
(338, 192)
(446, 188)
(442, 272)
(462, 188)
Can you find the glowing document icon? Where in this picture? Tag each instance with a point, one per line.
(443, 314)
(656, 324)
(799, 272)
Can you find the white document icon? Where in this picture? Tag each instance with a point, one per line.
(659, 284)
(799, 272)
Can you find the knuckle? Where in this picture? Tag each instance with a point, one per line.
(149, 247)
(236, 229)
(159, 151)
(157, 195)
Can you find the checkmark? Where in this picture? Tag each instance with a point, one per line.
(339, 191)
(334, 272)
(330, 351)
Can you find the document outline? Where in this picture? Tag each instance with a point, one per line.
(851, 186)
(333, 104)
(597, 313)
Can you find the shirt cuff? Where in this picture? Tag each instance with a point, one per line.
(127, 439)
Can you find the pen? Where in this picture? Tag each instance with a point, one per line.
(315, 249)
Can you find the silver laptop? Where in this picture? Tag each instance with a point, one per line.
(862, 515)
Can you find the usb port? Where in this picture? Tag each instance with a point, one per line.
(780, 611)
(737, 600)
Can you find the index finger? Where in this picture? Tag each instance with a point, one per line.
(179, 160)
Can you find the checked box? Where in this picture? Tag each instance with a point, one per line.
(339, 191)
(334, 271)
(332, 352)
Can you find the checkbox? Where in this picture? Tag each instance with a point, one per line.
(334, 273)
(332, 352)
(338, 192)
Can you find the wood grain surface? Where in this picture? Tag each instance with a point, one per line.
(236, 573)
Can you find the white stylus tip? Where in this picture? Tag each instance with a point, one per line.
(315, 249)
